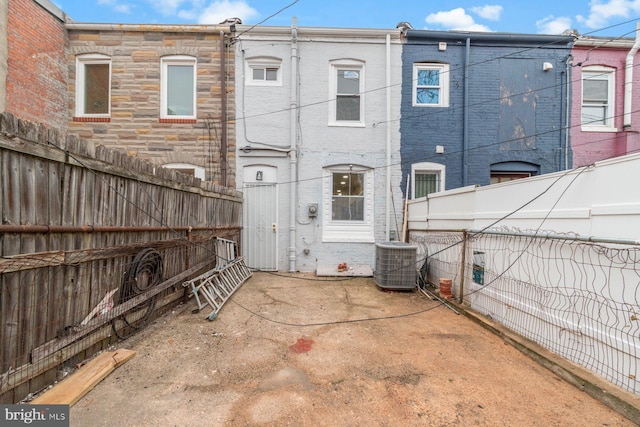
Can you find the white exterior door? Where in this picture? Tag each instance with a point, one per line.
(260, 232)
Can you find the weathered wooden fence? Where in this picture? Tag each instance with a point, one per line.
(93, 244)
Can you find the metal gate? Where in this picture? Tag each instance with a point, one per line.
(259, 237)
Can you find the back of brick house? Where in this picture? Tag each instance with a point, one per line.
(158, 92)
(33, 62)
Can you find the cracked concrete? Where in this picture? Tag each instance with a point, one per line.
(431, 368)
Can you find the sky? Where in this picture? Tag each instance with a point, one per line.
(607, 18)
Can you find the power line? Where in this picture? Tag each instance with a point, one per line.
(442, 303)
(478, 147)
(449, 111)
(269, 17)
(541, 46)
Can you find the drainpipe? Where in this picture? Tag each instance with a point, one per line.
(388, 217)
(465, 119)
(567, 117)
(223, 111)
(293, 153)
(628, 79)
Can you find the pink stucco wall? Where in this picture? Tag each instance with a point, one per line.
(589, 146)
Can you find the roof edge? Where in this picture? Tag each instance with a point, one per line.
(167, 28)
(494, 37)
(52, 9)
(318, 31)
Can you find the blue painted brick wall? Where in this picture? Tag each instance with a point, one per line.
(495, 113)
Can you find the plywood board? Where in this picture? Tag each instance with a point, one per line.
(84, 379)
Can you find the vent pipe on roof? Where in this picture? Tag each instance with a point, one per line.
(628, 78)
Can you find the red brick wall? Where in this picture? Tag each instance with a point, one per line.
(37, 64)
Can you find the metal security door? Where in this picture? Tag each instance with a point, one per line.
(259, 241)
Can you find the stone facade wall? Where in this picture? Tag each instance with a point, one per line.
(134, 124)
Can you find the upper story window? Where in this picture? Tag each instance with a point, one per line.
(178, 87)
(93, 86)
(430, 85)
(347, 93)
(427, 178)
(598, 101)
(263, 71)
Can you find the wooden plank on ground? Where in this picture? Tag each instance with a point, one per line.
(84, 379)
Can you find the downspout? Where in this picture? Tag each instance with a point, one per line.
(567, 108)
(388, 168)
(628, 79)
(293, 153)
(223, 111)
(465, 119)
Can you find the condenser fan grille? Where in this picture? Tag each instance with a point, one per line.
(395, 265)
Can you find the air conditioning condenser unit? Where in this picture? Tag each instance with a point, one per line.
(395, 265)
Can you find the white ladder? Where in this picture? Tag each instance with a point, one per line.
(217, 285)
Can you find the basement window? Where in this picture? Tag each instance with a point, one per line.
(187, 169)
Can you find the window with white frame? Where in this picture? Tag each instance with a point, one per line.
(430, 85)
(263, 71)
(187, 169)
(427, 178)
(598, 93)
(93, 85)
(347, 93)
(348, 204)
(178, 87)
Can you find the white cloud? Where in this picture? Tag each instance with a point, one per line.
(166, 7)
(116, 6)
(122, 8)
(218, 11)
(188, 15)
(455, 19)
(553, 25)
(490, 12)
(203, 11)
(601, 12)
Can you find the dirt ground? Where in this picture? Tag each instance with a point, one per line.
(291, 351)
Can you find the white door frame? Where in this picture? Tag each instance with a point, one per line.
(260, 217)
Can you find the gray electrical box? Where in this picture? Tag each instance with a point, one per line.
(313, 210)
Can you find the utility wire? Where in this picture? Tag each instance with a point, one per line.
(441, 303)
(451, 70)
(269, 17)
(160, 221)
(477, 147)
